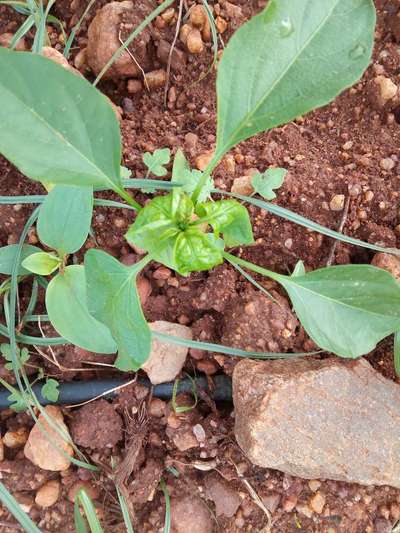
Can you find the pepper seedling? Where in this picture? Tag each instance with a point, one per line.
(281, 64)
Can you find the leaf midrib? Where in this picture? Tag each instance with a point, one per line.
(275, 84)
(60, 135)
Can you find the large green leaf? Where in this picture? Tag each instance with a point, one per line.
(293, 57)
(68, 312)
(7, 258)
(56, 127)
(347, 309)
(113, 299)
(64, 218)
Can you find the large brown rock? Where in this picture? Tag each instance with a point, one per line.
(111, 25)
(332, 419)
(45, 447)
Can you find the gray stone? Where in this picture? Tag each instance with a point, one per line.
(166, 360)
(334, 419)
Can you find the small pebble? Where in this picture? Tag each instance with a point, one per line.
(387, 164)
(337, 202)
(317, 502)
(194, 42)
(48, 494)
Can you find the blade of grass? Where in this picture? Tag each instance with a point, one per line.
(167, 519)
(219, 348)
(83, 499)
(250, 278)
(396, 353)
(75, 29)
(15, 509)
(302, 221)
(131, 37)
(125, 512)
(22, 30)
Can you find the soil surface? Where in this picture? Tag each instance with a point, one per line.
(348, 148)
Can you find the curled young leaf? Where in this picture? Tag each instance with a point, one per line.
(42, 263)
(154, 228)
(230, 218)
(181, 173)
(196, 251)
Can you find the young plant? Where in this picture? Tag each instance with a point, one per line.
(38, 15)
(281, 64)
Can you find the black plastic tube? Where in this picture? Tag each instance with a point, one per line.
(74, 392)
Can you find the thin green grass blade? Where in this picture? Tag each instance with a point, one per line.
(15, 509)
(75, 29)
(302, 221)
(167, 519)
(250, 278)
(125, 512)
(131, 37)
(12, 200)
(396, 353)
(22, 30)
(83, 499)
(80, 524)
(219, 348)
(57, 22)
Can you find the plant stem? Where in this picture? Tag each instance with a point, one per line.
(128, 199)
(255, 268)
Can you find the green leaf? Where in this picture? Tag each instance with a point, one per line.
(155, 162)
(299, 269)
(22, 356)
(7, 257)
(396, 353)
(181, 173)
(265, 183)
(291, 58)
(56, 123)
(195, 251)
(50, 390)
(42, 263)
(230, 218)
(154, 228)
(64, 218)
(113, 299)
(347, 309)
(68, 312)
(18, 403)
(82, 498)
(16, 510)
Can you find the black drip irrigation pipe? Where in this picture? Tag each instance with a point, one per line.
(74, 392)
